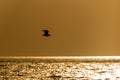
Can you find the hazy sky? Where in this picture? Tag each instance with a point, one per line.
(77, 27)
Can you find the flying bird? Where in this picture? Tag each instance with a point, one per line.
(46, 33)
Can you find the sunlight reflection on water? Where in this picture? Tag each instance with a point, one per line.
(36, 70)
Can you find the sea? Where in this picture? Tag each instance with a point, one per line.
(55, 68)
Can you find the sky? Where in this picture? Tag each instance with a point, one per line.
(77, 27)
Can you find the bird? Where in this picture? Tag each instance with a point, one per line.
(46, 33)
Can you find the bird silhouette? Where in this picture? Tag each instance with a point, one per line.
(46, 33)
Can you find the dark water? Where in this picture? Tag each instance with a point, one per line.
(32, 70)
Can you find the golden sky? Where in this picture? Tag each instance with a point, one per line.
(77, 27)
